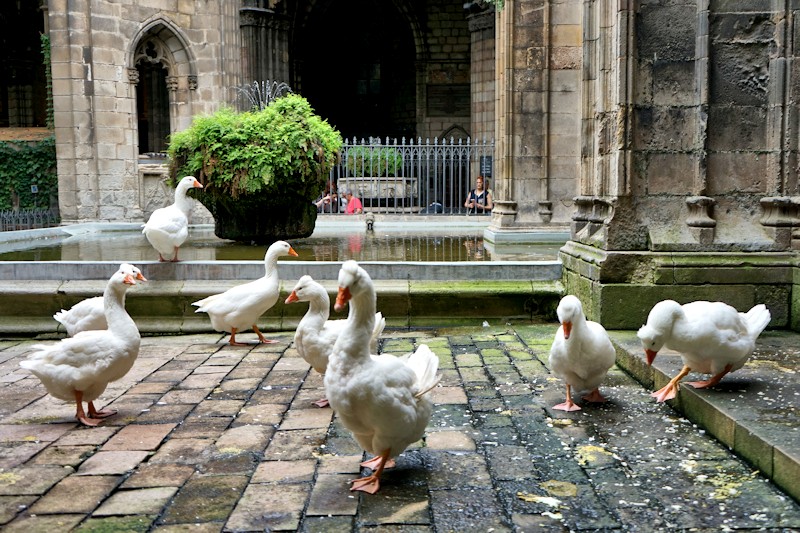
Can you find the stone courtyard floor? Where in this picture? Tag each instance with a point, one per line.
(215, 438)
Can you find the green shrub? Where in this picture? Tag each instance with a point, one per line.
(374, 161)
(23, 164)
(283, 149)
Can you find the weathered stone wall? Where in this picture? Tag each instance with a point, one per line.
(94, 91)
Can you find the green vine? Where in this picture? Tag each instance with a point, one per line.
(45, 39)
(25, 167)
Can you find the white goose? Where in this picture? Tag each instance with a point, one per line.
(712, 338)
(381, 400)
(581, 354)
(79, 368)
(168, 227)
(315, 334)
(90, 314)
(239, 307)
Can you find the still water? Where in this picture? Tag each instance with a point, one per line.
(203, 245)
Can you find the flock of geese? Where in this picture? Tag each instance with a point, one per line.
(381, 399)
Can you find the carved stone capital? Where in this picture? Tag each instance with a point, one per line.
(133, 76)
(172, 83)
(192, 82)
(780, 211)
(701, 209)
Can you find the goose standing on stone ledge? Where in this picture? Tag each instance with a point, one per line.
(168, 227)
(712, 338)
(581, 354)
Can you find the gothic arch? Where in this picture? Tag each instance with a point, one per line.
(162, 73)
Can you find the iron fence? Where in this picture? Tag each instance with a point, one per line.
(28, 219)
(430, 177)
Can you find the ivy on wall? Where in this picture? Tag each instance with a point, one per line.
(28, 177)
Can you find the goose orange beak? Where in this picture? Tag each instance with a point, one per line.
(129, 279)
(140, 277)
(342, 298)
(651, 355)
(292, 298)
(292, 252)
(197, 184)
(567, 329)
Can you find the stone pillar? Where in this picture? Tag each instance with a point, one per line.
(482, 74)
(265, 44)
(537, 112)
(684, 160)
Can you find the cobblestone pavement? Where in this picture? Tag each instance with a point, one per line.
(215, 438)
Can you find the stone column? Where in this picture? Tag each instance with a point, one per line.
(482, 74)
(265, 44)
(684, 190)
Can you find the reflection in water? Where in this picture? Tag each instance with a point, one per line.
(203, 245)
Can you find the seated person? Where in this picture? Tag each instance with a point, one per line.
(479, 200)
(329, 202)
(354, 206)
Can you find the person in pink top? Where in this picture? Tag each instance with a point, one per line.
(354, 206)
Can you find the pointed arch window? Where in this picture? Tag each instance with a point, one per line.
(152, 96)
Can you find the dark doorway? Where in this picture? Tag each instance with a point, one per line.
(356, 67)
(152, 106)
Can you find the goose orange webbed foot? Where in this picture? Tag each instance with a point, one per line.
(375, 463)
(322, 402)
(102, 413)
(595, 397)
(370, 484)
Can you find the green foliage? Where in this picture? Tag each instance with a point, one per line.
(26, 163)
(498, 4)
(284, 150)
(374, 161)
(45, 39)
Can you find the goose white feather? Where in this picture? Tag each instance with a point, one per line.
(316, 334)
(89, 314)
(712, 338)
(381, 400)
(581, 353)
(240, 307)
(168, 227)
(79, 368)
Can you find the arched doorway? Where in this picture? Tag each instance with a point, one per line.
(356, 66)
(152, 98)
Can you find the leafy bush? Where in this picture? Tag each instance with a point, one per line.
(281, 150)
(23, 164)
(374, 161)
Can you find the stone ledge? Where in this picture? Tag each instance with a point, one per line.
(752, 411)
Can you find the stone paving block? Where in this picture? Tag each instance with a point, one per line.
(340, 464)
(150, 475)
(307, 419)
(301, 471)
(12, 455)
(132, 524)
(244, 384)
(443, 395)
(331, 495)
(32, 432)
(109, 463)
(75, 495)
(336, 524)
(63, 455)
(205, 499)
(81, 436)
(210, 408)
(25, 480)
(212, 369)
(467, 510)
(196, 427)
(185, 396)
(11, 506)
(201, 381)
(449, 440)
(29, 524)
(206, 527)
(399, 505)
(262, 508)
(147, 501)
(138, 437)
(165, 414)
(449, 470)
(150, 388)
(183, 451)
(274, 394)
(294, 445)
(252, 438)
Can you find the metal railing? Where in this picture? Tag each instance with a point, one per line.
(430, 177)
(28, 219)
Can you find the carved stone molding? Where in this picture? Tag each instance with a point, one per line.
(546, 211)
(779, 211)
(700, 212)
(133, 76)
(192, 82)
(583, 208)
(172, 83)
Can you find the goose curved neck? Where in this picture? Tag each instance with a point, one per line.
(182, 200)
(114, 307)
